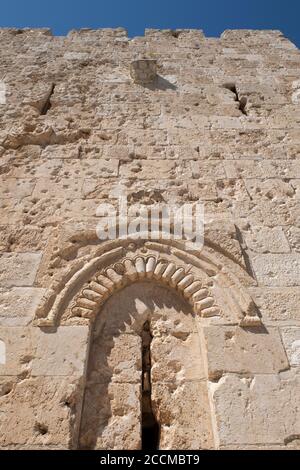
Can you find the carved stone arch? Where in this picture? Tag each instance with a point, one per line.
(202, 279)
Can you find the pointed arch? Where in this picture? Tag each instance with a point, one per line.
(202, 279)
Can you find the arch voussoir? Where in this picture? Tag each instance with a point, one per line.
(194, 281)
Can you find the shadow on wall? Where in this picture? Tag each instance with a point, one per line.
(160, 83)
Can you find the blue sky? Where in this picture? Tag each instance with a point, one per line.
(213, 16)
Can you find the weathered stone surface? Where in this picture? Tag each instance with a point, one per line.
(148, 169)
(116, 359)
(19, 269)
(258, 169)
(293, 236)
(184, 415)
(17, 188)
(18, 305)
(277, 303)
(268, 404)
(61, 352)
(291, 341)
(267, 240)
(242, 351)
(277, 270)
(19, 350)
(37, 412)
(175, 358)
(16, 238)
(111, 417)
(124, 336)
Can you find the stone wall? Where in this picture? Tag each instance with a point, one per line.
(171, 117)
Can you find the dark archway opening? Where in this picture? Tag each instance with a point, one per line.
(150, 427)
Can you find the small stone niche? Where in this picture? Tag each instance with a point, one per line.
(143, 71)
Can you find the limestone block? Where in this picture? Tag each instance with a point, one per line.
(177, 137)
(277, 269)
(61, 352)
(63, 187)
(295, 183)
(270, 213)
(175, 318)
(244, 351)
(224, 122)
(18, 305)
(273, 189)
(19, 344)
(147, 152)
(148, 169)
(61, 151)
(277, 303)
(293, 236)
(119, 152)
(38, 412)
(76, 56)
(182, 412)
(245, 168)
(268, 405)
(76, 210)
(148, 137)
(176, 358)
(296, 92)
(169, 191)
(266, 240)
(17, 188)
(22, 238)
(182, 152)
(143, 70)
(90, 168)
(19, 269)
(201, 190)
(232, 189)
(291, 341)
(111, 417)
(223, 233)
(287, 117)
(258, 169)
(207, 170)
(116, 359)
(97, 188)
(41, 168)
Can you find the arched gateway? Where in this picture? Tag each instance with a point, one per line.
(146, 377)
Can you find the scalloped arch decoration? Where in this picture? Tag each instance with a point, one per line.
(140, 268)
(194, 277)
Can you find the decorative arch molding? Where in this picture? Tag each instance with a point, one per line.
(205, 282)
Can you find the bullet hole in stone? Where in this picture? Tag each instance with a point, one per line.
(229, 335)
(181, 335)
(41, 428)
